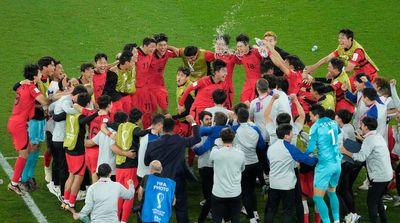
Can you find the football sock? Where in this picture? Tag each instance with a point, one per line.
(322, 208)
(18, 168)
(306, 211)
(334, 203)
(34, 158)
(47, 158)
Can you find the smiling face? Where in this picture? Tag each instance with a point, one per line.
(181, 78)
(269, 40)
(207, 120)
(220, 46)
(88, 74)
(242, 48)
(101, 65)
(162, 47)
(149, 49)
(345, 42)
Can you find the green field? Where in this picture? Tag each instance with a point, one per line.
(74, 31)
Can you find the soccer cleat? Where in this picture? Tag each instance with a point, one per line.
(53, 189)
(81, 195)
(256, 216)
(25, 186)
(15, 188)
(244, 210)
(32, 184)
(253, 220)
(47, 174)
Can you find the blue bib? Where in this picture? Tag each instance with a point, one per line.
(158, 198)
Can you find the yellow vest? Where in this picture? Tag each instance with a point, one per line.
(342, 78)
(43, 87)
(124, 139)
(199, 68)
(71, 131)
(328, 103)
(345, 56)
(179, 93)
(126, 82)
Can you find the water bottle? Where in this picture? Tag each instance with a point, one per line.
(260, 43)
(314, 48)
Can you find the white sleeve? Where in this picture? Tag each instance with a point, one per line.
(126, 194)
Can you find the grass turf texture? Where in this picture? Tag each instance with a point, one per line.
(75, 31)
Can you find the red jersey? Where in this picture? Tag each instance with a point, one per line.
(24, 104)
(205, 86)
(295, 80)
(358, 58)
(142, 68)
(230, 60)
(99, 80)
(251, 62)
(155, 75)
(341, 102)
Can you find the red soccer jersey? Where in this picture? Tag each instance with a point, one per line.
(251, 63)
(230, 60)
(95, 124)
(99, 80)
(157, 67)
(341, 102)
(142, 68)
(294, 78)
(205, 87)
(358, 58)
(24, 104)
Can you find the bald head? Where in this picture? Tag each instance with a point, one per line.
(155, 166)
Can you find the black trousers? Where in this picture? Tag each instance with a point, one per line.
(274, 198)
(298, 201)
(206, 176)
(375, 203)
(181, 207)
(248, 183)
(54, 153)
(344, 189)
(62, 164)
(397, 172)
(225, 208)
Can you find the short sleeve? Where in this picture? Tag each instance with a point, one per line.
(34, 91)
(357, 56)
(336, 53)
(171, 54)
(209, 56)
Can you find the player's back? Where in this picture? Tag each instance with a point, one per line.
(327, 144)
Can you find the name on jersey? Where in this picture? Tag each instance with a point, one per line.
(324, 124)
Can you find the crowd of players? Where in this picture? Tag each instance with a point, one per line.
(110, 115)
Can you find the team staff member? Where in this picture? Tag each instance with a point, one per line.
(23, 111)
(205, 87)
(170, 150)
(353, 55)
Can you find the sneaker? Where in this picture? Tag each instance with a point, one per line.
(32, 183)
(256, 216)
(202, 202)
(25, 186)
(53, 189)
(244, 210)
(47, 174)
(15, 188)
(387, 197)
(253, 220)
(71, 208)
(365, 185)
(396, 201)
(81, 195)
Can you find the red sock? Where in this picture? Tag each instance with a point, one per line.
(67, 195)
(317, 218)
(18, 168)
(72, 199)
(305, 218)
(47, 158)
(191, 156)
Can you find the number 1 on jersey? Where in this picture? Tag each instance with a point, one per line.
(333, 136)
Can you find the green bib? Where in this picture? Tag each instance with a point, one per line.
(179, 92)
(43, 87)
(124, 139)
(198, 69)
(126, 82)
(71, 131)
(345, 56)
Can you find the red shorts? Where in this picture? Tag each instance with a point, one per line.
(76, 164)
(161, 95)
(19, 134)
(91, 156)
(122, 175)
(116, 106)
(183, 129)
(307, 183)
(248, 92)
(126, 103)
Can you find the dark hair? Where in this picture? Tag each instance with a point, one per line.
(86, 66)
(160, 37)
(262, 85)
(103, 101)
(266, 65)
(218, 65)
(45, 61)
(83, 99)
(243, 38)
(370, 122)
(60, 83)
(317, 109)
(120, 117)
(224, 37)
(220, 118)
(243, 115)
(337, 63)
(282, 130)
(283, 84)
(329, 113)
(157, 118)
(283, 118)
(57, 62)
(190, 51)
(295, 61)
(135, 115)
(30, 71)
(237, 107)
(369, 93)
(126, 56)
(184, 70)
(79, 89)
(271, 81)
(383, 86)
(219, 96)
(227, 135)
(148, 40)
(319, 87)
(129, 47)
(358, 77)
(204, 114)
(168, 125)
(104, 170)
(98, 56)
(345, 115)
(348, 33)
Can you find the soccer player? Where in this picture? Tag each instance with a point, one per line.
(100, 74)
(353, 55)
(318, 92)
(324, 137)
(23, 111)
(87, 72)
(271, 38)
(205, 86)
(197, 60)
(222, 52)
(250, 58)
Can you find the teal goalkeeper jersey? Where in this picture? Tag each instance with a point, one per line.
(324, 137)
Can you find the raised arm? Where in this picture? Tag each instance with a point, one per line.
(300, 110)
(312, 68)
(267, 113)
(277, 59)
